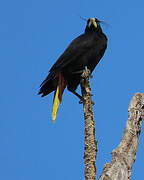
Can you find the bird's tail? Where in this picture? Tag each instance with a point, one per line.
(58, 95)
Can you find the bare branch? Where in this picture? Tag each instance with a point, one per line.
(90, 141)
(124, 155)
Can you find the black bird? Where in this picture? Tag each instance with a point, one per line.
(85, 50)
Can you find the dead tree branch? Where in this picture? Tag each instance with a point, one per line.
(90, 141)
(124, 155)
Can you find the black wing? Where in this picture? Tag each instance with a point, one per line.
(76, 48)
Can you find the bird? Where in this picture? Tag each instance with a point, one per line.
(84, 51)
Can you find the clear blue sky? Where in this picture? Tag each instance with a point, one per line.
(33, 34)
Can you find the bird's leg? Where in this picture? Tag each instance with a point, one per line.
(81, 71)
(79, 96)
(82, 100)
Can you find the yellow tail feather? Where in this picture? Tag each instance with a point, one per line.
(56, 104)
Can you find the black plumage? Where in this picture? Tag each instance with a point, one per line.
(85, 50)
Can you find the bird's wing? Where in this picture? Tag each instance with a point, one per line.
(76, 48)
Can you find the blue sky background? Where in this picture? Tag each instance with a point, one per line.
(33, 34)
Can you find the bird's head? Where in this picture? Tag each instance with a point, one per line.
(93, 25)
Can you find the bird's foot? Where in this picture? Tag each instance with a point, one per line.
(82, 100)
(86, 73)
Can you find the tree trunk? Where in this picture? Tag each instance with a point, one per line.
(124, 155)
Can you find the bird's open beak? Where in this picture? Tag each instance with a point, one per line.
(92, 21)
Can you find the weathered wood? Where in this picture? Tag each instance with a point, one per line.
(90, 141)
(124, 155)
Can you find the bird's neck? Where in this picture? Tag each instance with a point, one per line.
(93, 29)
